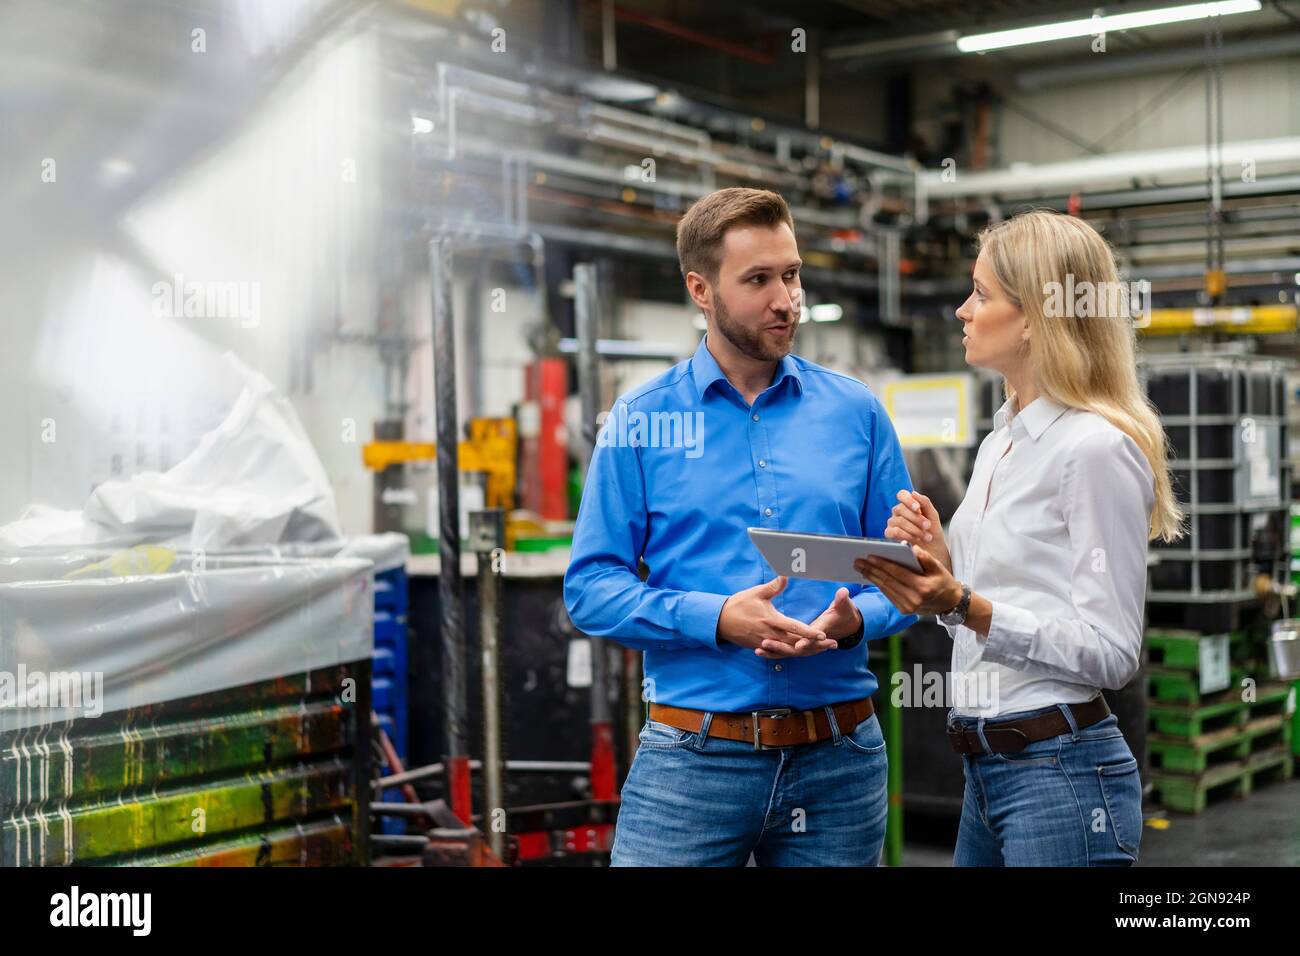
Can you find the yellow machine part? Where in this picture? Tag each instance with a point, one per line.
(1242, 320)
(1216, 282)
(490, 448)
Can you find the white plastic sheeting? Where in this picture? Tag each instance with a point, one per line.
(227, 569)
(387, 551)
(254, 481)
(157, 625)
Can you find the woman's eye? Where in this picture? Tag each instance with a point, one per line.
(757, 280)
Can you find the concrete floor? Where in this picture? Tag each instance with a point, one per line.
(1262, 830)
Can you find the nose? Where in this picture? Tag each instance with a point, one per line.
(790, 302)
(964, 310)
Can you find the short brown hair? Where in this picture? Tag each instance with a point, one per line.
(701, 230)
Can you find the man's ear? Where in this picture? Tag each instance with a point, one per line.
(700, 291)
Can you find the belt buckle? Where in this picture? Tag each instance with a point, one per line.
(770, 712)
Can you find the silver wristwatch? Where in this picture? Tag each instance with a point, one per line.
(958, 614)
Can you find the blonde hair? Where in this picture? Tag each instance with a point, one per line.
(1086, 361)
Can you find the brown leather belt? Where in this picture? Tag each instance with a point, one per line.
(1013, 735)
(774, 727)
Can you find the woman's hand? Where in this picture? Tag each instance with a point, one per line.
(934, 591)
(916, 521)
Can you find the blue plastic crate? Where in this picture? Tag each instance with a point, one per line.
(391, 593)
(390, 671)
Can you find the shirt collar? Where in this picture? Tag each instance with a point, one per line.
(1035, 416)
(705, 370)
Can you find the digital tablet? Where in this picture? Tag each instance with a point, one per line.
(827, 557)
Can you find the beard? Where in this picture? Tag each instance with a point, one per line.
(747, 341)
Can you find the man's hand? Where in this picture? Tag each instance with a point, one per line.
(841, 619)
(748, 619)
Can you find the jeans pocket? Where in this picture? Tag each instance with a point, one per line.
(1121, 789)
(867, 737)
(1036, 753)
(664, 736)
(1106, 729)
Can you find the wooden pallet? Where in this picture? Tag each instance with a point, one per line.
(1189, 719)
(1187, 793)
(1181, 650)
(1181, 686)
(1197, 754)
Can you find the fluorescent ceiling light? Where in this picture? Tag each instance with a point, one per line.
(826, 312)
(1095, 25)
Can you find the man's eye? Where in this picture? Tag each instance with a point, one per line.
(757, 279)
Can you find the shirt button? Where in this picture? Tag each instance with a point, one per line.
(762, 463)
(778, 666)
(755, 418)
(768, 512)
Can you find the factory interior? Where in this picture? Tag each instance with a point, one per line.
(314, 309)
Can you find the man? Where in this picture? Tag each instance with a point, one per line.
(761, 737)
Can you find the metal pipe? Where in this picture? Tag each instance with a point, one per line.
(407, 776)
(1119, 168)
(395, 841)
(608, 36)
(890, 303)
(673, 28)
(812, 91)
(487, 531)
(391, 758)
(520, 766)
(633, 691)
(586, 312)
(399, 809)
(451, 598)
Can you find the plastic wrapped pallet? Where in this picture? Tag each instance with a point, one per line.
(214, 699)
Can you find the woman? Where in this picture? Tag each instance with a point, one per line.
(1042, 576)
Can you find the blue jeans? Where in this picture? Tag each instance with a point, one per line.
(1071, 800)
(694, 800)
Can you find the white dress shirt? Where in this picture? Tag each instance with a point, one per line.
(1053, 532)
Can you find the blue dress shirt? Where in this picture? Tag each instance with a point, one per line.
(683, 465)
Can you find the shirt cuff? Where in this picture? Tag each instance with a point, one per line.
(854, 639)
(879, 616)
(1011, 636)
(697, 617)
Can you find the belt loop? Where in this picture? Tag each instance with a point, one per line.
(835, 726)
(704, 730)
(984, 741)
(1069, 718)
